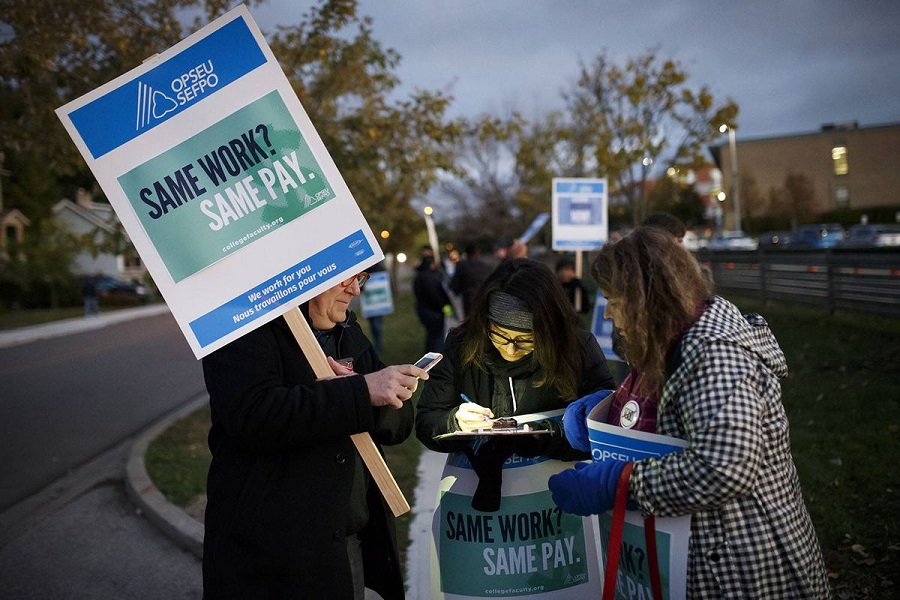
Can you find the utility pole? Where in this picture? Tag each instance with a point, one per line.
(735, 188)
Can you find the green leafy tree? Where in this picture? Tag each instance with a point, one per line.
(389, 152)
(52, 51)
(43, 278)
(625, 119)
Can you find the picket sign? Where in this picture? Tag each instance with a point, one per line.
(528, 547)
(227, 191)
(654, 550)
(363, 441)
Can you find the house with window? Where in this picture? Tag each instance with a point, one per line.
(12, 230)
(847, 165)
(84, 217)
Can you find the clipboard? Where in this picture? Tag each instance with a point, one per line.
(521, 430)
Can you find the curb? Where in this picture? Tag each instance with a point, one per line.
(53, 329)
(171, 520)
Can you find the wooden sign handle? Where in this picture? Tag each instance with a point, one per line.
(363, 441)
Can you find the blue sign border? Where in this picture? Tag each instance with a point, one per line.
(227, 318)
(120, 116)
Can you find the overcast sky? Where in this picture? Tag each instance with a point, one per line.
(791, 65)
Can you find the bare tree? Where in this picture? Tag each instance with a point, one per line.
(484, 191)
(627, 118)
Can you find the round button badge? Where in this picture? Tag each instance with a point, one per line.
(631, 412)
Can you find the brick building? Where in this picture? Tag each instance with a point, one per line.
(847, 166)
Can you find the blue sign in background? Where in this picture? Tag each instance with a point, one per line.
(578, 187)
(221, 321)
(122, 114)
(602, 328)
(376, 299)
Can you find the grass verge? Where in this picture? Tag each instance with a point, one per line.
(842, 397)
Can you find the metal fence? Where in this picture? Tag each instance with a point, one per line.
(845, 280)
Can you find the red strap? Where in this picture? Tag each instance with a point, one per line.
(615, 534)
(652, 557)
(615, 542)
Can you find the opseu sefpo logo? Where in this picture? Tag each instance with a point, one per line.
(154, 104)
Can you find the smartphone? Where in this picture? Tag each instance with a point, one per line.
(429, 360)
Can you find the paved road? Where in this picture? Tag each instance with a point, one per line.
(66, 400)
(70, 409)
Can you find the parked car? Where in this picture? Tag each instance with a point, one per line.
(731, 240)
(773, 239)
(871, 236)
(694, 242)
(114, 291)
(818, 235)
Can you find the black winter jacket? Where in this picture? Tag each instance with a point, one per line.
(282, 469)
(507, 389)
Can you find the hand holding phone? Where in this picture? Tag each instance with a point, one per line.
(429, 360)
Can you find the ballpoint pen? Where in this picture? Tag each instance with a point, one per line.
(467, 400)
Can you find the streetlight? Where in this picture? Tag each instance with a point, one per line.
(734, 175)
(432, 234)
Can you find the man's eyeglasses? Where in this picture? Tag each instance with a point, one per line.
(359, 278)
(519, 343)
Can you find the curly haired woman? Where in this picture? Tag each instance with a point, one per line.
(714, 375)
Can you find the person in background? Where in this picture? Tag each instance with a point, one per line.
(500, 250)
(674, 227)
(291, 509)
(89, 294)
(376, 323)
(565, 272)
(668, 223)
(517, 249)
(471, 272)
(520, 351)
(450, 262)
(431, 300)
(714, 374)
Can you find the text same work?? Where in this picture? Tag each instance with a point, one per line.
(511, 556)
(229, 160)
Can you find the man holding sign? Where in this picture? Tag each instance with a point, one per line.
(240, 215)
(291, 510)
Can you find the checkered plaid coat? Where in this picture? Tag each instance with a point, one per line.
(751, 536)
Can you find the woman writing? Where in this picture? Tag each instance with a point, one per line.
(520, 351)
(710, 376)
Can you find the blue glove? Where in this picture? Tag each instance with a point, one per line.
(575, 419)
(588, 489)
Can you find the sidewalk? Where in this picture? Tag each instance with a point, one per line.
(24, 335)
